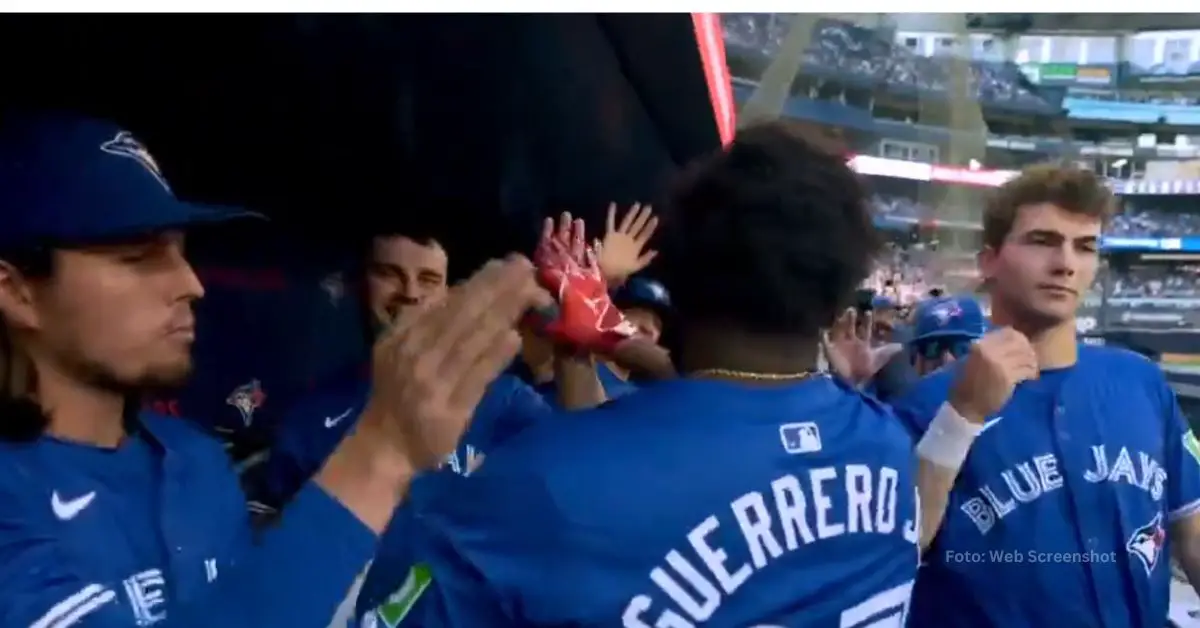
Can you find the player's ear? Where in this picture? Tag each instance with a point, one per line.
(986, 261)
(16, 298)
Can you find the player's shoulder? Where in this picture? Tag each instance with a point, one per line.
(549, 447)
(182, 436)
(21, 475)
(1106, 366)
(694, 414)
(1095, 358)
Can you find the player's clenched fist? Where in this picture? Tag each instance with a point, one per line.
(996, 364)
(431, 368)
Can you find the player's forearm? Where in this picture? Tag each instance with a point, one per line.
(1185, 542)
(942, 452)
(644, 357)
(368, 476)
(933, 485)
(579, 387)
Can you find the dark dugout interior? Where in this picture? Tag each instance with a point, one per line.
(337, 124)
(470, 126)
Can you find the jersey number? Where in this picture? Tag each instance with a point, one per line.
(887, 609)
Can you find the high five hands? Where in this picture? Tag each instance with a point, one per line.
(586, 319)
(430, 369)
(622, 252)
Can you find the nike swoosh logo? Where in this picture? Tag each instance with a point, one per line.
(332, 421)
(989, 424)
(69, 509)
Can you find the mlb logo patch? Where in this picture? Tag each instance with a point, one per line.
(800, 438)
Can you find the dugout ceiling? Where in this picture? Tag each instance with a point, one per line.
(333, 122)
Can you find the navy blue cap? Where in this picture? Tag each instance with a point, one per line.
(948, 317)
(640, 292)
(74, 180)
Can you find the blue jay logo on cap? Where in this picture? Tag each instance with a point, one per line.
(946, 312)
(125, 145)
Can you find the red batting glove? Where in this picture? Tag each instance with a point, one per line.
(587, 319)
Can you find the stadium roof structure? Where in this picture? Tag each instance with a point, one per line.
(1123, 22)
(1019, 23)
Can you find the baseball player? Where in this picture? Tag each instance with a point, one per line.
(751, 492)
(115, 518)
(1081, 483)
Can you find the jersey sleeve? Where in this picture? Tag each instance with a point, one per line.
(309, 432)
(497, 555)
(296, 571)
(1182, 458)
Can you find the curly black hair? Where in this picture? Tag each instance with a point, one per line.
(771, 235)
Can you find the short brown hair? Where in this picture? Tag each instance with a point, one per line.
(16, 373)
(1076, 190)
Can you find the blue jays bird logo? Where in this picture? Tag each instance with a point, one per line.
(125, 145)
(945, 312)
(1146, 543)
(247, 398)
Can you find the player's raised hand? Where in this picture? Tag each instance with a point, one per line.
(586, 319)
(430, 369)
(997, 362)
(848, 347)
(622, 252)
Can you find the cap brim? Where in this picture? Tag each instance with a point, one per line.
(945, 333)
(175, 215)
(193, 215)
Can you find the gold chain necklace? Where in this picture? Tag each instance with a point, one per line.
(751, 375)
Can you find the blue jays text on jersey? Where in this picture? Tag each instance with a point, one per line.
(691, 502)
(156, 532)
(1058, 516)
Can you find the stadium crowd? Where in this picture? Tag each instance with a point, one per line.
(853, 51)
(912, 267)
(1156, 283)
(1187, 100)
(1142, 219)
(1138, 218)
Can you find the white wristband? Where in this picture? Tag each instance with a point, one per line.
(948, 438)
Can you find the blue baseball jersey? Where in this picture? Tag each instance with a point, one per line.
(692, 502)
(1059, 515)
(614, 387)
(156, 531)
(318, 424)
(392, 592)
